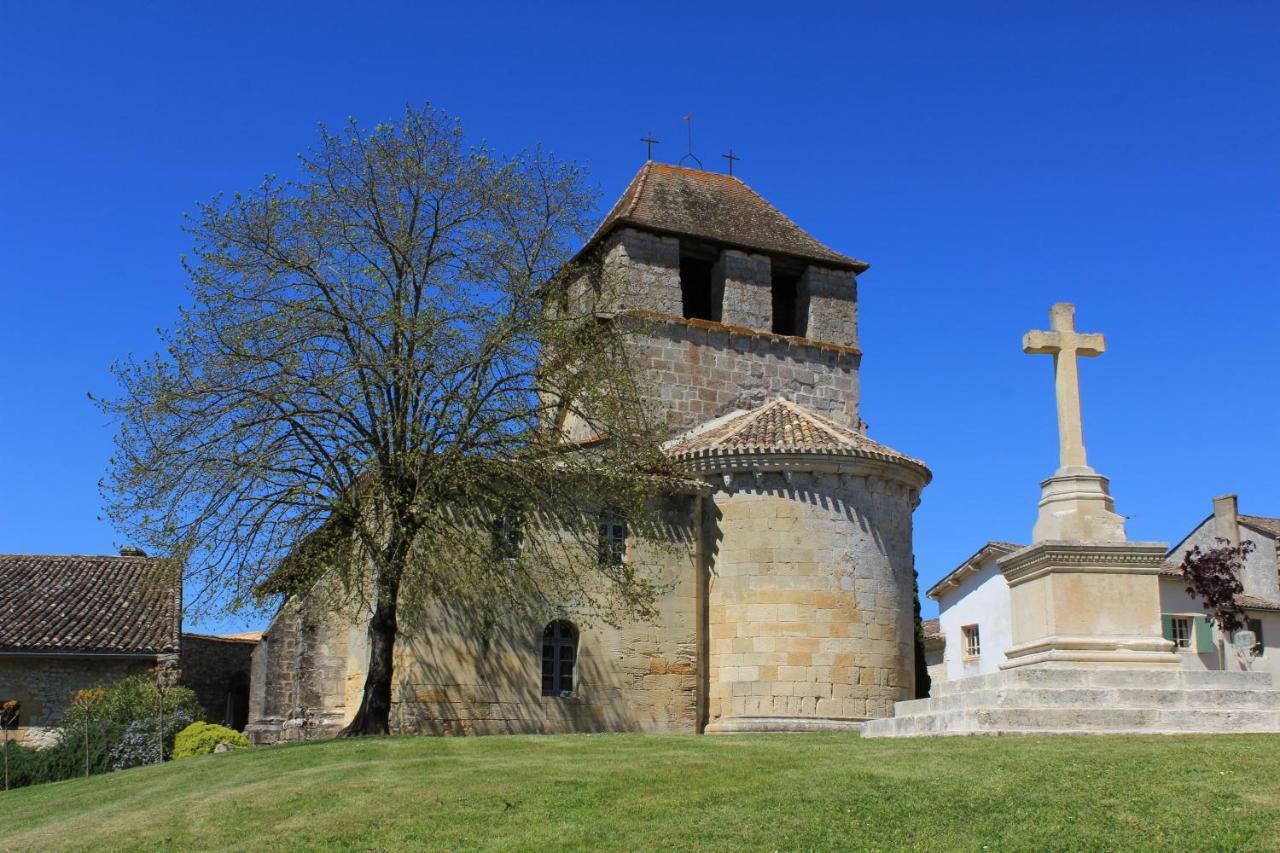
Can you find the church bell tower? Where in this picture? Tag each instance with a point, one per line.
(747, 335)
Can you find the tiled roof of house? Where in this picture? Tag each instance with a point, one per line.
(1252, 602)
(1269, 526)
(1173, 571)
(972, 563)
(120, 605)
(716, 207)
(780, 426)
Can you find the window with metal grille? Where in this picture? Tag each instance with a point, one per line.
(613, 538)
(559, 656)
(972, 645)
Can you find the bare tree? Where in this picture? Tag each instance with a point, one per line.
(374, 369)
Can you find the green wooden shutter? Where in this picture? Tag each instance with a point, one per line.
(1167, 621)
(1204, 636)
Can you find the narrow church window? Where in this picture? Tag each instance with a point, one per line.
(613, 538)
(972, 646)
(559, 655)
(790, 317)
(507, 533)
(695, 288)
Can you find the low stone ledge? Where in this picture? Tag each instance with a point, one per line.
(762, 725)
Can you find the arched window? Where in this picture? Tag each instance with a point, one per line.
(559, 656)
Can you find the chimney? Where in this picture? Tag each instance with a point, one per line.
(130, 551)
(1225, 522)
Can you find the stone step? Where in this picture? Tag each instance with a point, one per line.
(1076, 721)
(1096, 697)
(1169, 679)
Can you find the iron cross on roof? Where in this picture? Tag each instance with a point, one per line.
(649, 142)
(731, 157)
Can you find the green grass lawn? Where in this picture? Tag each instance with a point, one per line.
(760, 792)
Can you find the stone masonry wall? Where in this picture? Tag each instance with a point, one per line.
(833, 305)
(641, 676)
(642, 271)
(697, 371)
(217, 669)
(45, 685)
(810, 598)
(308, 672)
(746, 286)
(305, 671)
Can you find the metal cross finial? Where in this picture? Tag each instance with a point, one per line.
(731, 157)
(649, 142)
(690, 156)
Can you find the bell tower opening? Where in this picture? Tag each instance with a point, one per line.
(790, 299)
(698, 297)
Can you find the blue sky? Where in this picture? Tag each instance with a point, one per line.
(987, 159)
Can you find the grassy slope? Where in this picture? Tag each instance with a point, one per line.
(636, 792)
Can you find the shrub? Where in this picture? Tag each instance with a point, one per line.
(119, 721)
(137, 746)
(203, 739)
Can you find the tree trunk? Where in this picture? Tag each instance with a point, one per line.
(374, 714)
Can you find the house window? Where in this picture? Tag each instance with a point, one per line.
(613, 538)
(971, 645)
(1180, 628)
(507, 533)
(789, 316)
(559, 655)
(1255, 625)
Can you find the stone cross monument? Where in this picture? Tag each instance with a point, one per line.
(1075, 503)
(1065, 344)
(1081, 594)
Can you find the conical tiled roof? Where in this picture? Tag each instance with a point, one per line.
(721, 208)
(781, 427)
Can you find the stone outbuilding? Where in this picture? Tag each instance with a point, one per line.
(68, 623)
(785, 555)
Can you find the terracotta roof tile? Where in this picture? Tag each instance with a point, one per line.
(1270, 526)
(780, 426)
(972, 563)
(51, 603)
(716, 207)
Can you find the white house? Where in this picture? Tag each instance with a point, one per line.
(973, 602)
(973, 614)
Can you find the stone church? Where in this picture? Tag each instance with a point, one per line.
(788, 602)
